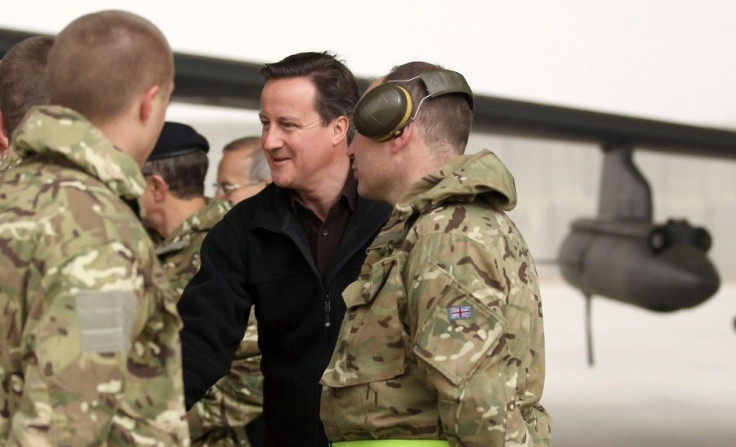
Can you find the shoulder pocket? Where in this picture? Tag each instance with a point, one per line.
(458, 331)
(372, 339)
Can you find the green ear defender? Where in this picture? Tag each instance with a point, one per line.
(385, 110)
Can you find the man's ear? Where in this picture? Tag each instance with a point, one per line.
(399, 142)
(4, 138)
(340, 127)
(146, 103)
(160, 187)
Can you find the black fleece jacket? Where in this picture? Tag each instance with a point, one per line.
(258, 255)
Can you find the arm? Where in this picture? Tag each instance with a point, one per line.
(236, 399)
(83, 312)
(458, 296)
(214, 308)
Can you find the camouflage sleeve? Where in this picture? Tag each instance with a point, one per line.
(236, 399)
(457, 298)
(79, 373)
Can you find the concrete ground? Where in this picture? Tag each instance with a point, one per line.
(658, 379)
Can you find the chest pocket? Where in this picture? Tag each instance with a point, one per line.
(372, 339)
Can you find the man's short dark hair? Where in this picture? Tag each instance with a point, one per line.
(445, 119)
(337, 90)
(24, 81)
(184, 174)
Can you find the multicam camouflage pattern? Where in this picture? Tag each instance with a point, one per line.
(89, 350)
(179, 252)
(219, 419)
(443, 337)
(8, 161)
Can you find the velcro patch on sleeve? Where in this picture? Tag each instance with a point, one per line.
(106, 319)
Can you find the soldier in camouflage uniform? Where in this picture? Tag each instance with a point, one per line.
(173, 205)
(89, 350)
(443, 341)
(23, 84)
(178, 215)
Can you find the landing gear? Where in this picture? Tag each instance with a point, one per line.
(589, 327)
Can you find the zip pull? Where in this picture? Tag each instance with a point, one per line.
(328, 308)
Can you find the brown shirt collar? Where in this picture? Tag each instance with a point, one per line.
(349, 192)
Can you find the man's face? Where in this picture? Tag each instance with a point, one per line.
(299, 148)
(232, 176)
(371, 164)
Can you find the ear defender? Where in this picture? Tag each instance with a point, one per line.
(384, 111)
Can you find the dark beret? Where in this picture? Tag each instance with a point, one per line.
(178, 139)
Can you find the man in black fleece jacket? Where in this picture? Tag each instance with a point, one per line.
(287, 252)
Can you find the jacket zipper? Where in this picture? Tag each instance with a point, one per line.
(328, 310)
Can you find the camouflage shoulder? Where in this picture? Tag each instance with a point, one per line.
(8, 162)
(213, 212)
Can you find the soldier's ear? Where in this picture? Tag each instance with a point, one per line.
(399, 142)
(4, 139)
(146, 103)
(159, 187)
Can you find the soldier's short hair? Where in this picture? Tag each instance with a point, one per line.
(184, 174)
(259, 169)
(446, 119)
(101, 61)
(337, 89)
(24, 79)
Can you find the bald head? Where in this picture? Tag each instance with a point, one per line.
(243, 170)
(101, 62)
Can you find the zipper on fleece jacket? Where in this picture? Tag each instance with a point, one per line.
(328, 310)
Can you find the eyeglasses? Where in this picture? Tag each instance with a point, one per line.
(227, 188)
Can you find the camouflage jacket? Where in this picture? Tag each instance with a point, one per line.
(218, 419)
(179, 252)
(89, 351)
(443, 336)
(8, 161)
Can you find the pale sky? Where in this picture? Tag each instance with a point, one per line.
(671, 60)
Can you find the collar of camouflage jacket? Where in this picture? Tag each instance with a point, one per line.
(465, 178)
(201, 221)
(63, 132)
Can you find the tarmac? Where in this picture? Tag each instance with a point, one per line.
(657, 379)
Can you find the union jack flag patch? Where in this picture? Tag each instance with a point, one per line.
(460, 312)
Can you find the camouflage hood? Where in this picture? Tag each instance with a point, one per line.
(463, 179)
(62, 132)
